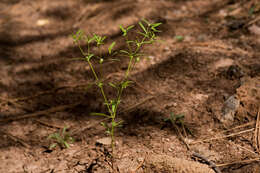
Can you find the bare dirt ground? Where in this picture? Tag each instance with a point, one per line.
(212, 77)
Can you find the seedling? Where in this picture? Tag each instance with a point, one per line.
(146, 35)
(62, 139)
(175, 119)
(179, 38)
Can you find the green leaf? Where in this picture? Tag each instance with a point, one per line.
(111, 47)
(64, 130)
(179, 38)
(54, 136)
(156, 25)
(120, 124)
(52, 146)
(142, 26)
(155, 30)
(126, 84)
(102, 39)
(101, 60)
(103, 124)
(146, 22)
(112, 85)
(99, 114)
(123, 30)
(251, 10)
(113, 106)
(143, 34)
(74, 37)
(99, 39)
(125, 52)
(130, 27)
(66, 144)
(79, 35)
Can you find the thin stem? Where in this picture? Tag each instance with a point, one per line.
(81, 50)
(112, 136)
(121, 88)
(138, 48)
(96, 77)
(128, 44)
(129, 67)
(101, 87)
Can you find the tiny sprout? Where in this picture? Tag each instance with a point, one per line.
(179, 38)
(78, 36)
(99, 39)
(111, 47)
(62, 139)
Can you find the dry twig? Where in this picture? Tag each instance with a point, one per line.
(208, 162)
(240, 161)
(257, 133)
(49, 124)
(139, 166)
(16, 139)
(238, 127)
(226, 136)
(35, 114)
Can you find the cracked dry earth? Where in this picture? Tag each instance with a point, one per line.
(211, 76)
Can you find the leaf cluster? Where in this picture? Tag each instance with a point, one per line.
(62, 139)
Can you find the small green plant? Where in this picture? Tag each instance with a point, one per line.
(179, 38)
(175, 119)
(145, 35)
(62, 139)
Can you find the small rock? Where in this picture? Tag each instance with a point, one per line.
(166, 48)
(229, 109)
(254, 29)
(202, 37)
(42, 22)
(167, 139)
(104, 141)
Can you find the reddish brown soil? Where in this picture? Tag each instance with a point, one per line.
(42, 89)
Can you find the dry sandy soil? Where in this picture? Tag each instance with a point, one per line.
(211, 76)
